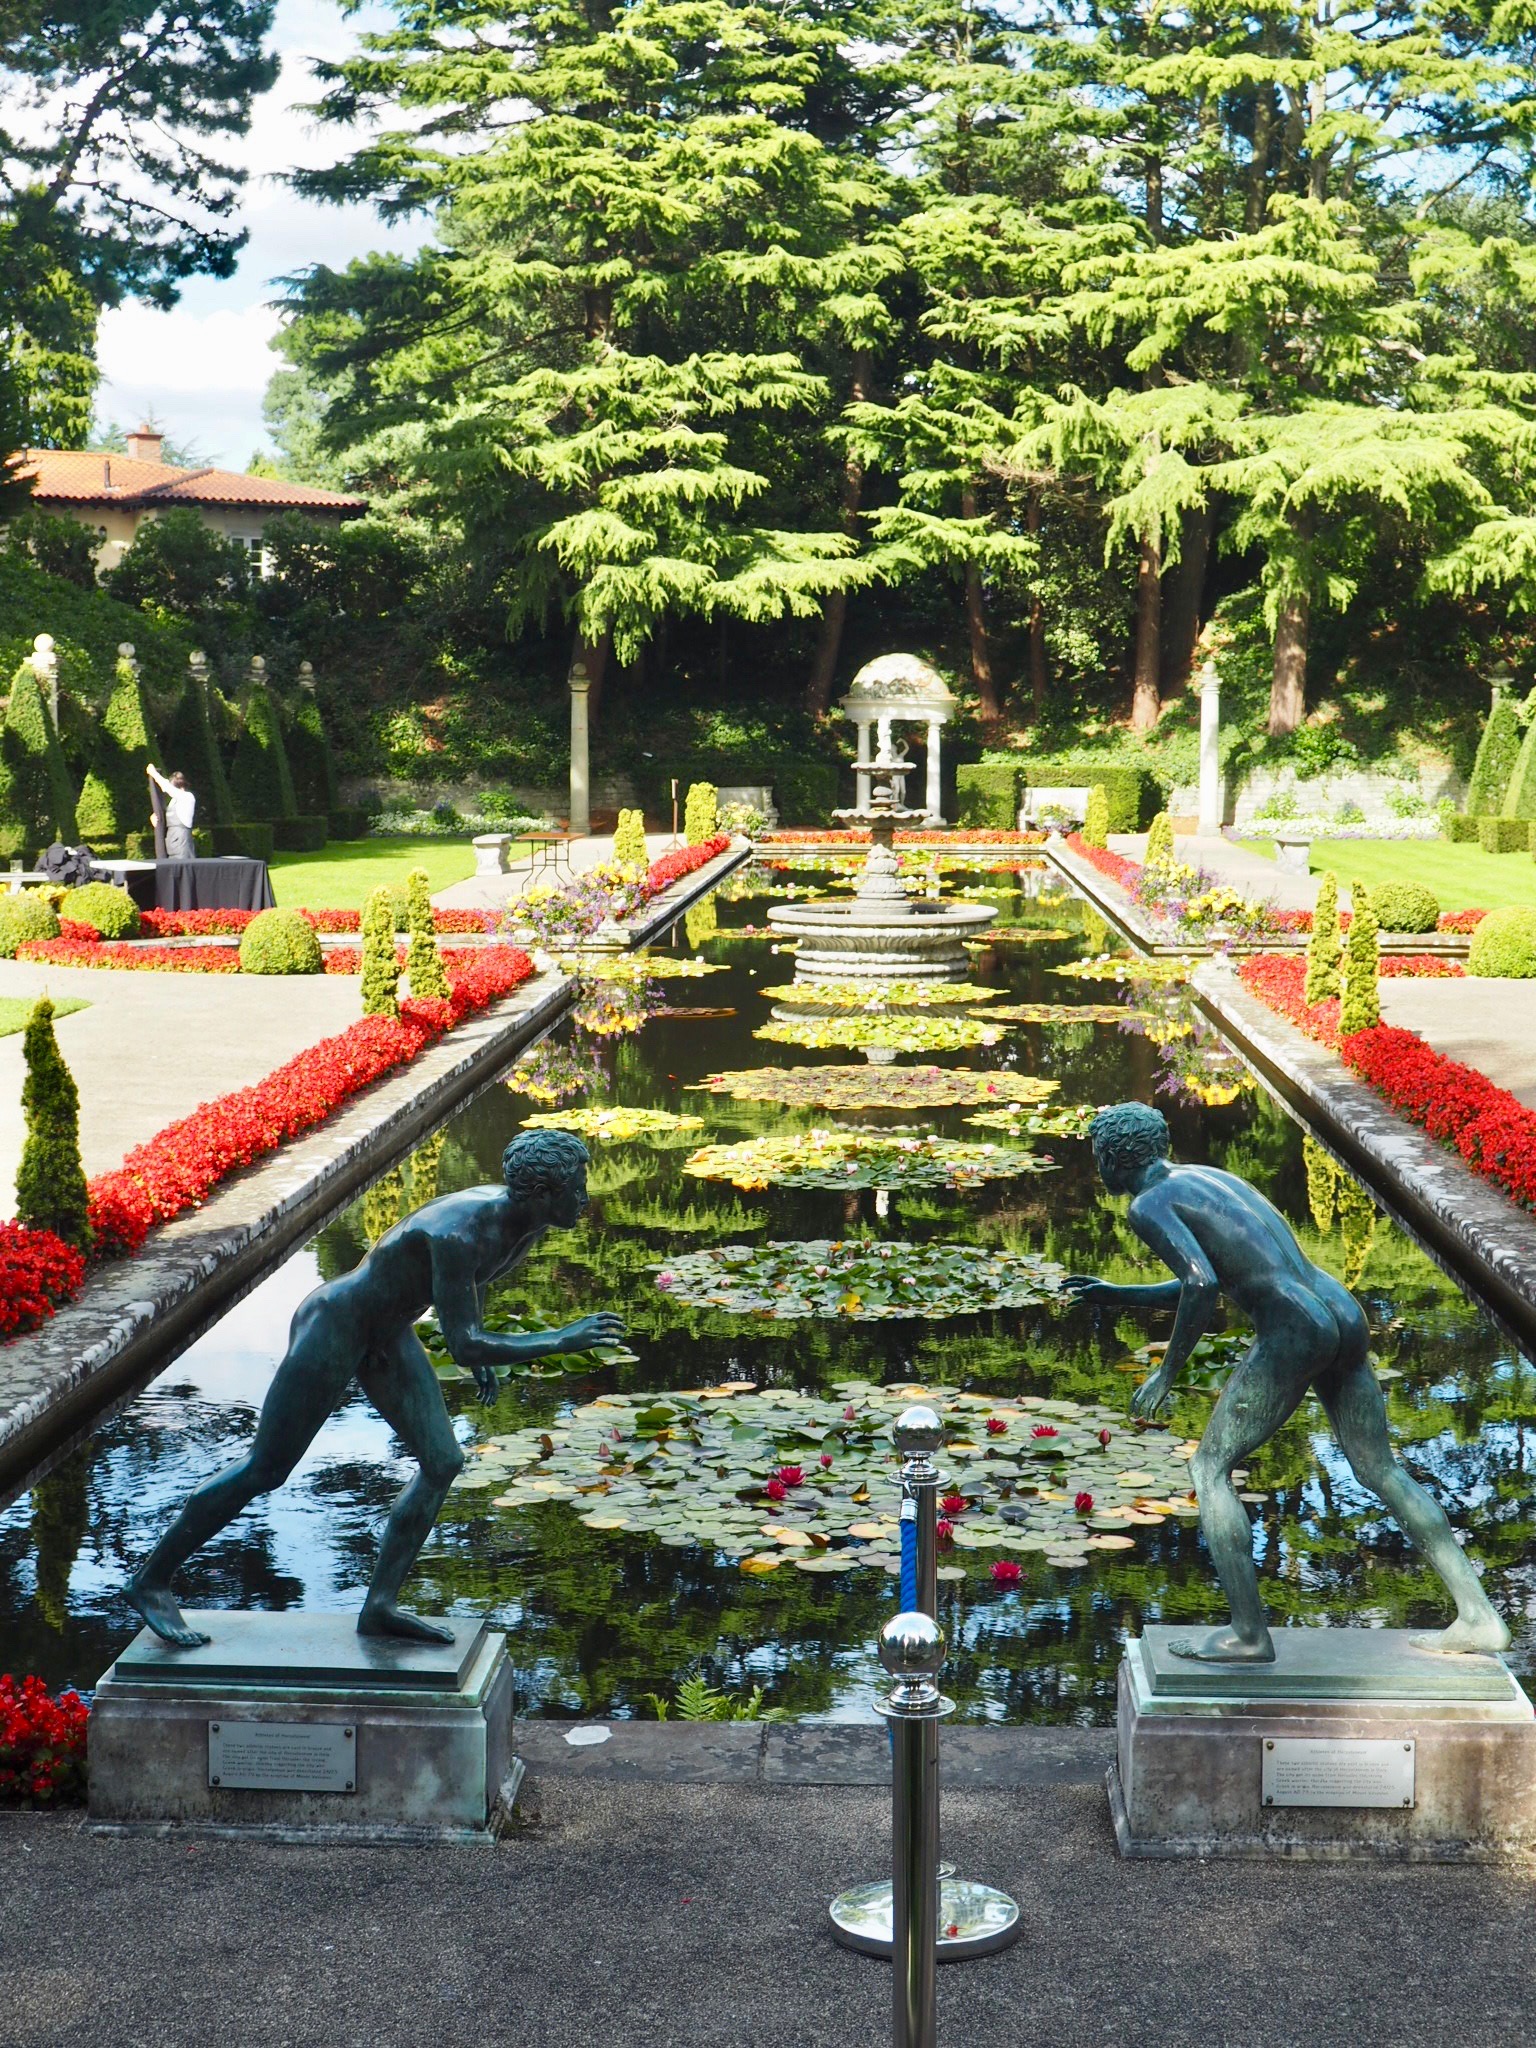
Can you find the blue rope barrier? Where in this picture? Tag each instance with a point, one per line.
(908, 1556)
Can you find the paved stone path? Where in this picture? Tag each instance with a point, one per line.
(668, 1915)
(151, 1047)
(496, 892)
(1260, 879)
(1487, 1024)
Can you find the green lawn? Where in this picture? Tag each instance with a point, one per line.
(1463, 877)
(341, 877)
(15, 1010)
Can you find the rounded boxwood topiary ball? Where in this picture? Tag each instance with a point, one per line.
(1505, 944)
(110, 912)
(1405, 907)
(26, 915)
(280, 942)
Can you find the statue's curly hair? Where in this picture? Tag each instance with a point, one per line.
(1130, 1135)
(542, 1162)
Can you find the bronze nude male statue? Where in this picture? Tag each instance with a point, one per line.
(363, 1326)
(1220, 1236)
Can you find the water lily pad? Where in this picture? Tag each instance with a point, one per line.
(614, 1124)
(633, 967)
(882, 995)
(878, 1087)
(1133, 968)
(859, 1278)
(895, 1033)
(1066, 1013)
(851, 1158)
(1070, 1120)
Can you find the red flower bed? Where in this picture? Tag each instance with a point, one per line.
(42, 1743)
(132, 955)
(851, 835)
(1279, 980)
(37, 1272)
(1114, 865)
(683, 860)
(1447, 921)
(1428, 966)
(203, 924)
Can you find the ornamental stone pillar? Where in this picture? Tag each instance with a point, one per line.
(1211, 805)
(580, 806)
(860, 772)
(934, 796)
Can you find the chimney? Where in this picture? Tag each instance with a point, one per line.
(144, 444)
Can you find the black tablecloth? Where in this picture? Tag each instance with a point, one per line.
(229, 883)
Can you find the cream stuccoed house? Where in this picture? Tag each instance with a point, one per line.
(114, 493)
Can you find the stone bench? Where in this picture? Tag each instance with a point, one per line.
(491, 852)
(1071, 802)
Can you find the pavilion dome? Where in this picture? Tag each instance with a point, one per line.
(901, 686)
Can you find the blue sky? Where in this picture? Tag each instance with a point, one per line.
(202, 368)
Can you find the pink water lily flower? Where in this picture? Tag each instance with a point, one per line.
(1006, 1573)
(996, 1425)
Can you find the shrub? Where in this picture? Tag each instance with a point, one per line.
(381, 976)
(300, 835)
(701, 819)
(1134, 795)
(629, 840)
(1325, 945)
(1360, 1007)
(1459, 830)
(1497, 752)
(1096, 821)
(1520, 795)
(252, 840)
(26, 915)
(348, 821)
(109, 911)
(309, 756)
(42, 796)
(423, 962)
(191, 746)
(115, 796)
(1405, 907)
(987, 795)
(261, 780)
(280, 942)
(50, 1181)
(1504, 944)
(1159, 842)
(1504, 835)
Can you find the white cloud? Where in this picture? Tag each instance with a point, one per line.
(202, 367)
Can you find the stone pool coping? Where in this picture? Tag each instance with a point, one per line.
(57, 1383)
(1465, 1224)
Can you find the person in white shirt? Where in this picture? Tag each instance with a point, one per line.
(180, 809)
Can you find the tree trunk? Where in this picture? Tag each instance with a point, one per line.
(1146, 701)
(989, 705)
(1263, 128)
(1039, 675)
(834, 613)
(1181, 618)
(1288, 686)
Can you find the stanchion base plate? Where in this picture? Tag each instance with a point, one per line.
(974, 1919)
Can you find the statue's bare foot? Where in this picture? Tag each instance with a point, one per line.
(1477, 1635)
(383, 1618)
(1225, 1646)
(164, 1616)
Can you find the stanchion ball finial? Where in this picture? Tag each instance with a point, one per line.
(918, 1432)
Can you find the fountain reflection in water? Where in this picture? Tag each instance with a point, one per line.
(882, 934)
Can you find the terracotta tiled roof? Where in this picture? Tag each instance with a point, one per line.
(67, 477)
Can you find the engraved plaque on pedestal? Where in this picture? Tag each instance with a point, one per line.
(1330, 1771)
(282, 1756)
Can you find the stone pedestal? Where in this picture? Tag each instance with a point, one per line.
(581, 771)
(491, 853)
(1293, 856)
(1353, 1743)
(295, 1727)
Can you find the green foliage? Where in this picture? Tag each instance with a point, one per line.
(176, 563)
(191, 748)
(1504, 944)
(26, 915)
(1131, 792)
(381, 975)
(987, 796)
(347, 821)
(39, 792)
(1520, 796)
(50, 1180)
(629, 840)
(309, 758)
(1357, 1221)
(1504, 835)
(423, 965)
(300, 835)
(280, 942)
(109, 911)
(701, 818)
(697, 1700)
(254, 841)
(1325, 943)
(261, 780)
(1497, 752)
(1159, 848)
(1360, 1006)
(115, 796)
(1461, 830)
(1322, 1180)
(1405, 907)
(1096, 818)
(60, 546)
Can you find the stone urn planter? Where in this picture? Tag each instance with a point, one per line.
(1293, 851)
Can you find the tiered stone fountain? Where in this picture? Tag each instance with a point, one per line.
(883, 934)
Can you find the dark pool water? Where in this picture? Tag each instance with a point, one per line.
(597, 1620)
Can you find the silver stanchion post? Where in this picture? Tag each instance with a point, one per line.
(912, 1651)
(972, 1919)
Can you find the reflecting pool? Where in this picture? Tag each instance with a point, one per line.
(599, 1619)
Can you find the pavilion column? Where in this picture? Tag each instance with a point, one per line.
(934, 792)
(1211, 805)
(883, 728)
(861, 773)
(580, 804)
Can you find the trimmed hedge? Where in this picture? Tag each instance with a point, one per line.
(1504, 835)
(1497, 752)
(26, 915)
(254, 841)
(987, 796)
(1504, 944)
(1461, 831)
(110, 912)
(191, 746)
(1520, 796)
(115, 796)
(1405, 907)
(805, 788)
(280, 942)
(1134, 794)
(50, 1180)
(41, 794)
(261, 778)
(300, 835)
(309, 757)
(347, 821)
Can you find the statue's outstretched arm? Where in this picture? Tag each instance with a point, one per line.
(1158, 1224)
(456, 1297)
